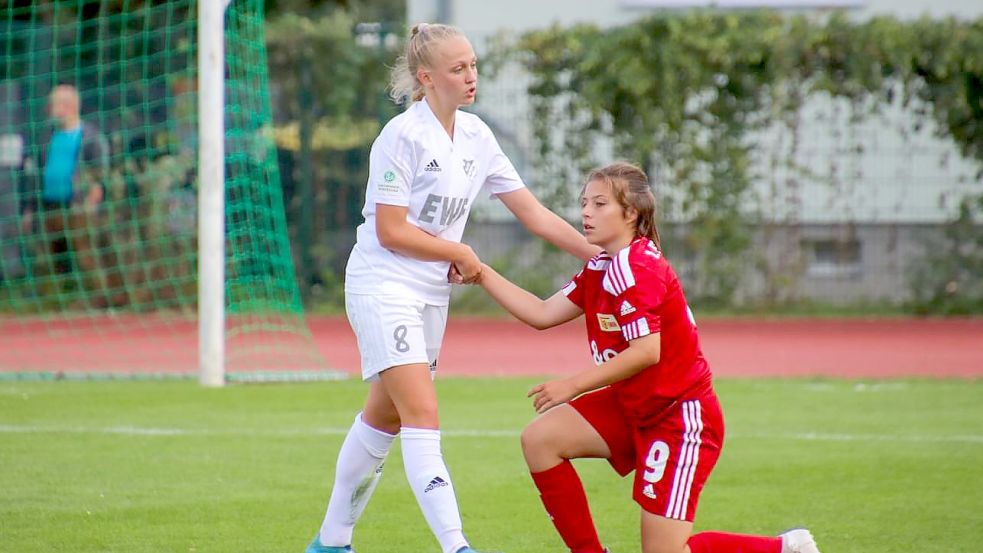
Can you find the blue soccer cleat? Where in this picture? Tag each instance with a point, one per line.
(316, 547)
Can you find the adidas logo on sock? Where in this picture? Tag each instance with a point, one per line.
(432, 166)
(437, 482)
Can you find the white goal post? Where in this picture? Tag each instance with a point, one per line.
(211, 192)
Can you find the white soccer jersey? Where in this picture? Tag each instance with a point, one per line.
(414, 163)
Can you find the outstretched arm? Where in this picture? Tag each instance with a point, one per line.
(547, 225)
(524, 305)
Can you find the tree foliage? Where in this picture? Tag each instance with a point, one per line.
(684, 95)
(329, 69)
(320, 56)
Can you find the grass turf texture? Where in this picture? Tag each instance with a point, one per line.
(169, 466)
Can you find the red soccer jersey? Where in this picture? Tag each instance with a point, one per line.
(634, 294)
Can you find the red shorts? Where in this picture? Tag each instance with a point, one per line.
(672, 458)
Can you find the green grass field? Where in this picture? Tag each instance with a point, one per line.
(132, 467)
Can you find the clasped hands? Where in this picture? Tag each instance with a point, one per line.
(465, 267)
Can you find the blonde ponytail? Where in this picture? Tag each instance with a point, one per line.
(404, 87)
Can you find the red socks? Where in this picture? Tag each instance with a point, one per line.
(563, 496)
(722, 542)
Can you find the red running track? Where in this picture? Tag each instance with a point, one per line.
(882, 348)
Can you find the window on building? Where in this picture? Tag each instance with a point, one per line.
(834, 258)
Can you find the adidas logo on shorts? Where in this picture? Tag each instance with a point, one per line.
(437, 482)
(627, 308)
(432, 166)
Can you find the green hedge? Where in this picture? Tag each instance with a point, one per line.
(683, 94)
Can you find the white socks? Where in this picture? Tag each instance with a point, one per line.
(359, 467)
(427, 475)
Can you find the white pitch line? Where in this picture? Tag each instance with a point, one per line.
(464, 433)
(821, 437)
(156, 431)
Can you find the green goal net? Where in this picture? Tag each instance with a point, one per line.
(98, 215)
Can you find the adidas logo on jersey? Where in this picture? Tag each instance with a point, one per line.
(432, 166)
(437, 482)
(627, 308)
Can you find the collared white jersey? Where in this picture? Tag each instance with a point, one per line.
(414, 163)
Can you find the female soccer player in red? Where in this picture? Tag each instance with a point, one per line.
(649, 405)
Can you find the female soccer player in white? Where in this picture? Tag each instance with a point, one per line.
(425, 170)
(651, 407)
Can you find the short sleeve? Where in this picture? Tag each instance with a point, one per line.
(391, 164)
(574, 290)
(502, 176)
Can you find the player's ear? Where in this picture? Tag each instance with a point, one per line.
(423, 76)
(631, 216)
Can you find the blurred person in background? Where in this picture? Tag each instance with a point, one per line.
(74, 163)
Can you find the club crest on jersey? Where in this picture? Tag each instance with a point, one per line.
(627, 308)
(470, 169)
(608, 323)
(432, 167)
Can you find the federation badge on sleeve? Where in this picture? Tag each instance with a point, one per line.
(389, 185)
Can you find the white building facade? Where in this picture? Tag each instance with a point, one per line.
(855, 227)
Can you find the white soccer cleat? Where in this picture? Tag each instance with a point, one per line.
(798, 540)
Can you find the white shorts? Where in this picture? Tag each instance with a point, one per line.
(393, 331)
